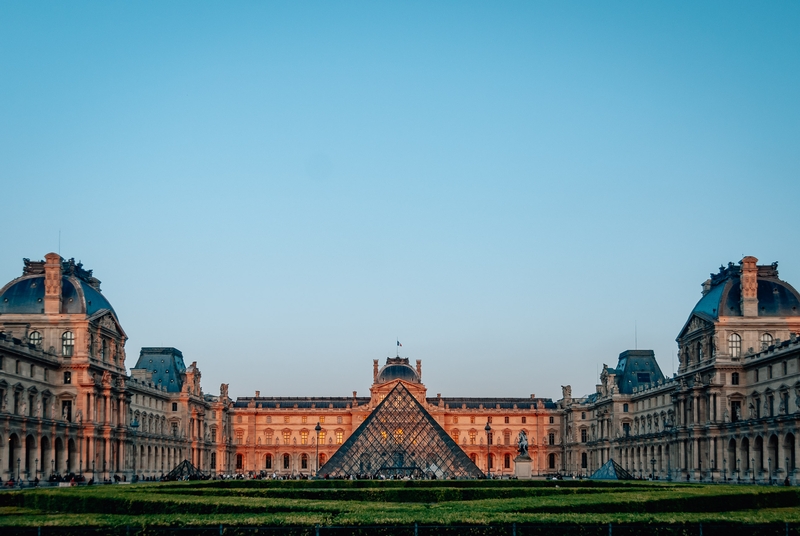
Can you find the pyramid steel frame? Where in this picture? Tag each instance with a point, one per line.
(400, 439)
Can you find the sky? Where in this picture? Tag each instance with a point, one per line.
(516, 191)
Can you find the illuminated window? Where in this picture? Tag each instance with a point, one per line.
(286, 436)
(322, 420)
(322, 436)
(304, 437)
(398, 436)
(735, 345)
(35, 338)
(472, 436)
(304, 419)
(286, 419)
(339, 437)
(455, 435)
(67, 343)
(766, 341)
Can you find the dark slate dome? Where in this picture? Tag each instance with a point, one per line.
(724, 293)
(397, 368)
(80, 292)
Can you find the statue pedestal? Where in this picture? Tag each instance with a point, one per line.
(522, 467)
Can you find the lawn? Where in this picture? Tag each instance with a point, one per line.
(303, 505)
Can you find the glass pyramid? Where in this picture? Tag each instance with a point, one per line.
(611, 470)
(400, 439)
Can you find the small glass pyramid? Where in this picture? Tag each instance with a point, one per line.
(400, 439)
(611, 470)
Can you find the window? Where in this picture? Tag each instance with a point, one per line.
(785, 369)
(304, 419)
(771, 404)
(583, 435)
(322, 436)
(67, 343)
(33, 371)
(286, 436)
(736, 410)
(472, 420)
(304, 437)
(213, 435)
(66, 410)
(239, 437)
(213, 460)
(551, 439)
(339, 419)
(47, 373)
(285, 461)
(757, 404)
(734, 378)
(67, 377)
(766, 341)
(269, 419)
(174, 406)
(505, 420)
(455, 434)
(285, 419)
(268, 461)
(507, 438)
(239, 462)
(472, 437)
(583, 414)
(304, 461)
(626, 429)
(551, 420)
(756, 374)
(769, 372)
(322, 420)
(643, 377)
(552, 461)
(524, 420)
(339, 437)
(35, 338)
(105, 350)
(18, 368)
(735, 345)
(455, 420)
(625, 408)
(507, 461)
(584, 460)
(489, 420)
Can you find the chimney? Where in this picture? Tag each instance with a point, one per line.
(355, 402)
(52, 284)
(749, 281)
(419, 369)
(374, 371)
(258, 394)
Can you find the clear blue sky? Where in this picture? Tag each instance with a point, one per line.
(282, 189)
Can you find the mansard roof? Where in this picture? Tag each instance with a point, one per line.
(723, 293)
(166, 365)
(80, 291)
(280, 402)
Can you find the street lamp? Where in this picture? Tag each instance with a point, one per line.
(36, 468)
(711, 469)
(53, 466)
(724, 466)
(18, 469)
(317, 429)
(488, 458)
(738, 469)
(653, 472)
(769, 462)
(787, 468)
(753, 468)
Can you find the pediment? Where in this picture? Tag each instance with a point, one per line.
(106, 320)
(696, 322)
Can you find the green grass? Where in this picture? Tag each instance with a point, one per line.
(294, 503)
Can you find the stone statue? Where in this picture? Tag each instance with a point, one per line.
(39, 409)
(522, 443)
(79, 416)
(4, 404)
(23, 408)
(726, 416)
(64, 414)
(566, 392)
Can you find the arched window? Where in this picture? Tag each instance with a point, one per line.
(268, 461)
(735, 345)
(552, 461)
(239, 462)
(507, 461)
(304, 461)
(584, 460)
(766, 341)
(35, 338)
(285, 461)
(67, 343)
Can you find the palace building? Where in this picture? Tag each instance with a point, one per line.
(68, 404)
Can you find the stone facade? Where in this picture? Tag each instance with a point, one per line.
(67, 404)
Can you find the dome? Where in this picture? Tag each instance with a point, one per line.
(723, 294)
(397, 368)
(80, 292)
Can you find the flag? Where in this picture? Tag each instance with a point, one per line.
(398, 343)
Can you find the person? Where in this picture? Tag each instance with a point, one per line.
(786, 482)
